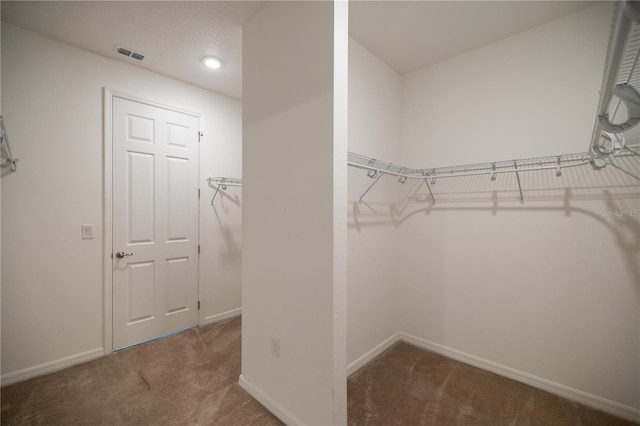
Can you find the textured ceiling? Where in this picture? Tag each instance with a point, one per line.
(174, 35)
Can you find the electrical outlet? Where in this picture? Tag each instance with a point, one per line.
(275, 347)
(87, 232)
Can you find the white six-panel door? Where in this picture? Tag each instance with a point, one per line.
(155, 221)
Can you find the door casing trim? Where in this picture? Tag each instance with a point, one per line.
(107, 202)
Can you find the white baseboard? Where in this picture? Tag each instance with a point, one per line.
(576, 395)
(222, 316)
(260, 396)
(50, 367)
(369, 356)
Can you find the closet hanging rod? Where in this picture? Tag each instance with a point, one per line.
(627, 13)
(514, 169)
(556, 163)
(434, 173)
(224, 181)
(383, 171)
(523, 165)
(357, 160)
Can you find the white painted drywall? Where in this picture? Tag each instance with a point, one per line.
(549, 288)
(52, 280)
(221, 221)
(340, 189)
(294, 213)
(373, 236)
(524, 96)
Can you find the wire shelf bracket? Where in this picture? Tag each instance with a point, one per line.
(223, 183)
(7, 158)
(376, 169)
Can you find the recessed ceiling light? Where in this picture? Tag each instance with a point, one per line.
(211, 62)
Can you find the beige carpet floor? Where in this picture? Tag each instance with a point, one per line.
(409, 386)
(191, 379)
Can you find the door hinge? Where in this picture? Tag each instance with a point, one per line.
(198, 248)
(198, 193)
(200, 135)
(198, 305)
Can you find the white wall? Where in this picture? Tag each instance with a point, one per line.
(550, 288)
(373, 237)
(221, 222)
(529, 95)
(52, 281)
(294, 215)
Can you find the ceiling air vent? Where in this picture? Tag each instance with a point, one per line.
(130, 53)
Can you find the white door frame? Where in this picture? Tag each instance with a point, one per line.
(107, 155)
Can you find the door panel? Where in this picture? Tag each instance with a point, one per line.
(178, 135)
(141, 182)
(178, 188)
(155, 221)
(140, 128)
(178, 280)
(140, 286)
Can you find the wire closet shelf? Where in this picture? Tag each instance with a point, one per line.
(619, 105)
(6, 157)
(616, 122)
(222, 183)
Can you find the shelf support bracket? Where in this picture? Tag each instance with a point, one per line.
(426, 181)
(369, 188)
(515, 166)
(217, 190)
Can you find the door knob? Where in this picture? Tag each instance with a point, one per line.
(122, 254)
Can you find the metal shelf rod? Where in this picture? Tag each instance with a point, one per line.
(227, 184)
(438, 174)
(382, 171)
(556, 163)
(225, 181)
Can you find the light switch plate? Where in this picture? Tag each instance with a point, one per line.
(87, 232)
